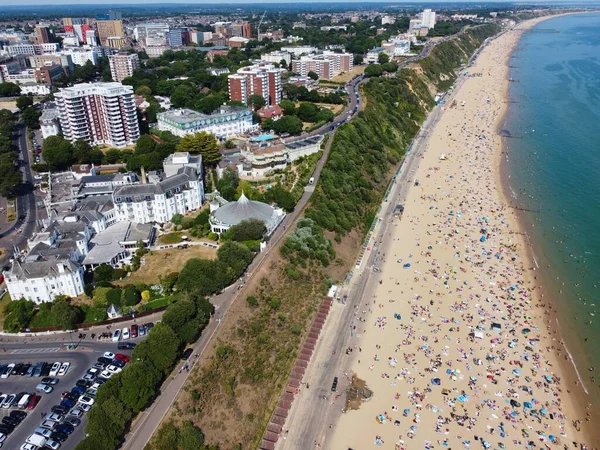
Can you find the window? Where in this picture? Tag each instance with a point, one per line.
(34, 289)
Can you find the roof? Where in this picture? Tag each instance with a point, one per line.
(235, 212)
(184, 175)
(107, 244)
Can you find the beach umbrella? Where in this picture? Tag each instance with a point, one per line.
(515, 403)
(527, 405)
(436, 381)
(407, 265)
(526, 331)
(553, 439)
(543, 411)
(406, 412)
(483, 239)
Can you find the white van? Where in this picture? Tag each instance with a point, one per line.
(37, 440)
(24, 401)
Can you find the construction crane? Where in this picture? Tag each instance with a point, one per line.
(259, 24)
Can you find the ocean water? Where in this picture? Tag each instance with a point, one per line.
(554, 170)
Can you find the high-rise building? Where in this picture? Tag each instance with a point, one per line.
(41, 34)
(122, 66)
(47, 74)
(99, 113)
(427, 18)
(342, 62)
(152, 34)
(91, 38)
(241, 29)
(175, 37)
(109, 28)
(259, 79)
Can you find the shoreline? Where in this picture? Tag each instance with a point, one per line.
(342, 431)
(575, 383)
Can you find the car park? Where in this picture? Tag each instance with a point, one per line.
(37, 371)
(83, 383)
(28, 446)
(134, 331)
(24, 401)
(36, 440)
(86, 400)
(106, 360)
(108, 355)
(13, 422)
(116, 336)
(54, 369)
(55, 417)
(142, 330)
(49, 380)
(85, 408)
(122, 357)
(6, 429)
(114, 369)
(30, 371)
(46, 389)
(68, 403)
(125, 333)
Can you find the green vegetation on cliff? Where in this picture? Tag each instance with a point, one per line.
(440, 66)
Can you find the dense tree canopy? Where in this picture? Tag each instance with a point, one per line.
(203, 143)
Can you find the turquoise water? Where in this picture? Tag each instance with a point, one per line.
(554, 167)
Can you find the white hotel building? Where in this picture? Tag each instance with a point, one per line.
(180, 192)
(229, 121)
(99, 113)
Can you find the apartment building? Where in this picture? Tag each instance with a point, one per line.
(123, 66)
(41, 34)
(152, 34)
(44, 60)
(259, 79)
(227, 122)
(276, 57)
(49, 73)
(109, 28)
(342, 62)
(99, 113)
(322, 67)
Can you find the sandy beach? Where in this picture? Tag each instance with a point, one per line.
(454, 340)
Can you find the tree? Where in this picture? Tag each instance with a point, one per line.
(138, 384)
(382, 58)
(358, 59)
(180, 317)
(210, 103)
(256, 101)
(283, 64)
(288, 106)
(65, 315)
(247, 230)
(104, 272)
(57, 152)
(145, 145)
(82, 152)
(19, 314)
(373, 70)
(31, 117)
(160, 348)
(9, 90)
(202, 276)
(288, 124)
(190, 437)
(143, 90)
(24, 101)
(235, 256)
(312, 75)
(166, 437)
(307, 112)
(130, 296)
(203, 143)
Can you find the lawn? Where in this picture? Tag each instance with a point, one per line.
(5, 301)
(163, 262)
(170, 238)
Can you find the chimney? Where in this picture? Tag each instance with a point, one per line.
(144, 178)
(60, 267)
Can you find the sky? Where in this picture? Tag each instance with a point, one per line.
(132, 2)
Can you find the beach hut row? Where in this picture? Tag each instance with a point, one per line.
(275, 426)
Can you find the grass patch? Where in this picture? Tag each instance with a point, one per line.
(159, 302)
(3, 302)
(170, 238)
(93, 314)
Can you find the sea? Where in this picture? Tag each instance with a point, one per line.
(553, 171)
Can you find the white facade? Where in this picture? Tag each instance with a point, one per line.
(35, 89)
(81, 57)
(427, 18)
(181, 192)
(50, 123)
(277, 57)
(21, 49)
(63, 279)
(227, 122)
(300, 50)
(99, 113)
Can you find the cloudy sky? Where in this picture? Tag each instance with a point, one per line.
(129, 2)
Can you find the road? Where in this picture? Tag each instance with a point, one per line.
(316, 408)
(25, 224)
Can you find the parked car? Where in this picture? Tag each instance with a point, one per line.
(56, 417)
(60, 409)
(55, 368)
(187, 353)
(18, 414)
(122, 357)
(142, 330)
(108, 355)
(65, 428)
(126, 345)
(58, 436)
(50, 380)
(64, 368)
(8, 371)
(105, 360)
(68, 403)
(3, 398)
(74, 421)
(134, 331)
(9, 401)
(53, 445)
(49, 424)
(125, 333)
(76, 413)
(45, 432)
(116, 336)
(33, 401)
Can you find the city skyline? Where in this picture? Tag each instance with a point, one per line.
(112, 3)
